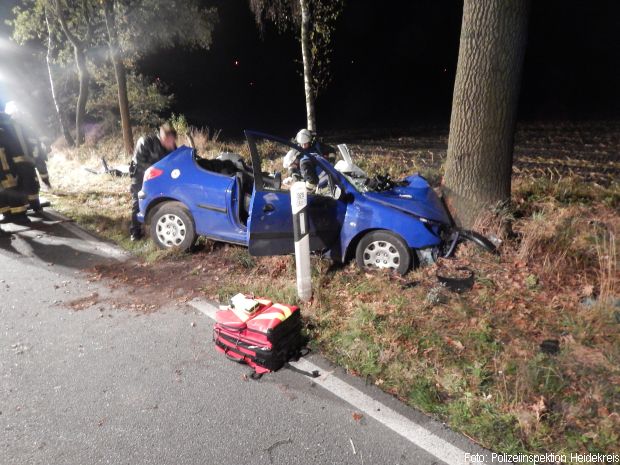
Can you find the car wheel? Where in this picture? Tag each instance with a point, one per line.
(172, 226)
(382, 249)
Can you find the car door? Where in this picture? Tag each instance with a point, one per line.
(270, 225)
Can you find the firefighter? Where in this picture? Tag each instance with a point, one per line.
(14, 199)
(302, 166)
(149, 150)
(32, 158)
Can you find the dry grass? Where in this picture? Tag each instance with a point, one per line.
(471, 359)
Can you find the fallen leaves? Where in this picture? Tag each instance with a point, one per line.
(455, 344)
(84, 302)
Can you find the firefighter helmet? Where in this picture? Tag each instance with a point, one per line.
(303, 137)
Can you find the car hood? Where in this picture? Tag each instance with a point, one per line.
(415, 197)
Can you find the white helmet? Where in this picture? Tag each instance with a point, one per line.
(289, 158)
(303, 137)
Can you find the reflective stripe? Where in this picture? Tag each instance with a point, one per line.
(20, 159)
(21, 209)
(9, 182)
(4, 209)
(44, 176)
(3, 161)
(33, 196)
(287, 311)
(270, 316)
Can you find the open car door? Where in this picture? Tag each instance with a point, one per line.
(270, 223)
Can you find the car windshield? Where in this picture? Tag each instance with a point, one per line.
(282, 164)
(345, 166)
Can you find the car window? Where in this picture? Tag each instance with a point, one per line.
(271, 156)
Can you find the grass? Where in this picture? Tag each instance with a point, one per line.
(472, 360)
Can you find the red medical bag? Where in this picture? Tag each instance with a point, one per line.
(265, 339)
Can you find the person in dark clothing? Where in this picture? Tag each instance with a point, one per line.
(17, 181)
(41, 150)
(32, 158)
(302, 165)
(149, 150)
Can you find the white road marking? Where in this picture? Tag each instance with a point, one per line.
(204, 307)
(413, 432)
(93, 242)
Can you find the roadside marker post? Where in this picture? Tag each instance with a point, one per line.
(299, 205)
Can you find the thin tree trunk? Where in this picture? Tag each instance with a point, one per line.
(84, 80)
(306, 54)
(484, 107)
(48, 58)
(120, 74)
(79, 49)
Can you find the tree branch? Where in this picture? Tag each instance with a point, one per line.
(65, 28)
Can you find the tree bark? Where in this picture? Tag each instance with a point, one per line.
(84, 80)
(79, 50)
(120, 74)
(306, 54)
(48, 59)
(484, 106)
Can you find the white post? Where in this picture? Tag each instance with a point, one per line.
(299, 204)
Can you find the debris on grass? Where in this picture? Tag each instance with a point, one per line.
(474, 359)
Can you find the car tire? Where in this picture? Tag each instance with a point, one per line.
(382, 249)
(172, 226)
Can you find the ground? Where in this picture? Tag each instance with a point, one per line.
(472, 359)
(87, 379)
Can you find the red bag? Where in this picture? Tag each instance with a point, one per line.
(267, 339)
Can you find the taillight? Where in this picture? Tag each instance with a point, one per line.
(152, 173)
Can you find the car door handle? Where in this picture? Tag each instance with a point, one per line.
(268, 208)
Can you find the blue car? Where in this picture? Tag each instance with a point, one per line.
(380, 223)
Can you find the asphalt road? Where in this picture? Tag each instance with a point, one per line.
(112, 386)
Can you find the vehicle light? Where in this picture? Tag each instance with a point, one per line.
(152, 173)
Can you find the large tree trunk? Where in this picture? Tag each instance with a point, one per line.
(84, 80)
(120, 74)
(48, 58)
(306, 54)
(484, 107)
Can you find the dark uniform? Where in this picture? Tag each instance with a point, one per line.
(148, 151)
(18, 180)
(41, 150)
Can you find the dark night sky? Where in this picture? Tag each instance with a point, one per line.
(394, 65)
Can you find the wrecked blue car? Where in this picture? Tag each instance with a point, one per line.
(376, 221)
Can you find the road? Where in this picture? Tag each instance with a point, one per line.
(112, 386)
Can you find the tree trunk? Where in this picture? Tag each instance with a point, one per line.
(48, 58)
(80, 109)
(306, 54)
(120, 74)
(79, 49)
(484, 106)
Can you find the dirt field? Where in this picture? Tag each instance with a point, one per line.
(587, 150)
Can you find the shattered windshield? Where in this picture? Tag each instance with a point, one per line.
(353, 173)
